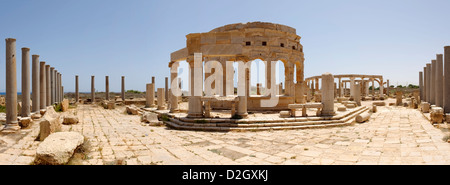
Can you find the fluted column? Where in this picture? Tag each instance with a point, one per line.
(11, 87)
(35, 107)
(433, 82)
(25, 82)
(428, 83)
(56, 86)
(52, 85)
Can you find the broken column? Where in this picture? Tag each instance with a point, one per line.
(25, 82)
(399, 97)
(196, 86)
(161, 99)
(328, 94)
(439, 81)
(93, 89)
(35, 107)
(446, 96)
(42, 88)
(173, 85)
(11, 87)
(107, 87)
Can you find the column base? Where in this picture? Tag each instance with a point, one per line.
(11, 128)
(194, 115)
(330, 113)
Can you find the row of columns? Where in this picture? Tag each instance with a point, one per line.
(46, 85)
(77, 92)
(342, 85)
(434, 81)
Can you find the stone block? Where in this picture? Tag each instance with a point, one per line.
(25, 122)
(341, 108)
(379, 103)
(425, 107)
(149, 117)
(132, 109)
(285, 114)
(69, 120)
(65, 105)
(58, 148)
(36, 116)
(437, 115)
(50, 123)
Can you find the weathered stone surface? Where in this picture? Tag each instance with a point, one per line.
(132, 109)
(69, 120)
(25, 122)
(50, 123)
(285, 114)
(2, 118)
(362, 117)
(152, 118)
(109, 104)
(379, 103)
(425, 107)
(374, 108)
(2, 101)
(399, 96)
(65, 105)
(58, 148)
(437, 115)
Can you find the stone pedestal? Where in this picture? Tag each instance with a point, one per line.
(12, 124)
(36, 97)
(26, 82)
(328, 94)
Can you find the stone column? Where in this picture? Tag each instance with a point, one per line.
(173, 100)
(52, 85)
(429, 83)
(439, 81)
(166, 93)
(373, 87)
(93, 89)
(357, 97)
(399, 97)
(153, 80)
(161, 99)
(446, 97)
(433, 82)
(25, 82)
(196, 86)
(327, 94)
(149, 95)
(340, 88)
(43, 87)
(107, 87)
(425, 84)
(35, 84)
(123, 89)
(77, 95)
(56, 86)
(258, 89)
(352, 86)
(381, 87)
(387, 88)
(421, 85)
(11, 87)
(47, 81)
(62, 93)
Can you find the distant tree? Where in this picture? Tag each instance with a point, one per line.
(399, 86)
(134, 91)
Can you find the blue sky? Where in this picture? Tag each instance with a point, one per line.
(134, 38)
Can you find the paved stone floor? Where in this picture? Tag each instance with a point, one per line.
(394, 135)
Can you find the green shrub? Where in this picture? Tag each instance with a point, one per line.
(2, 109)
